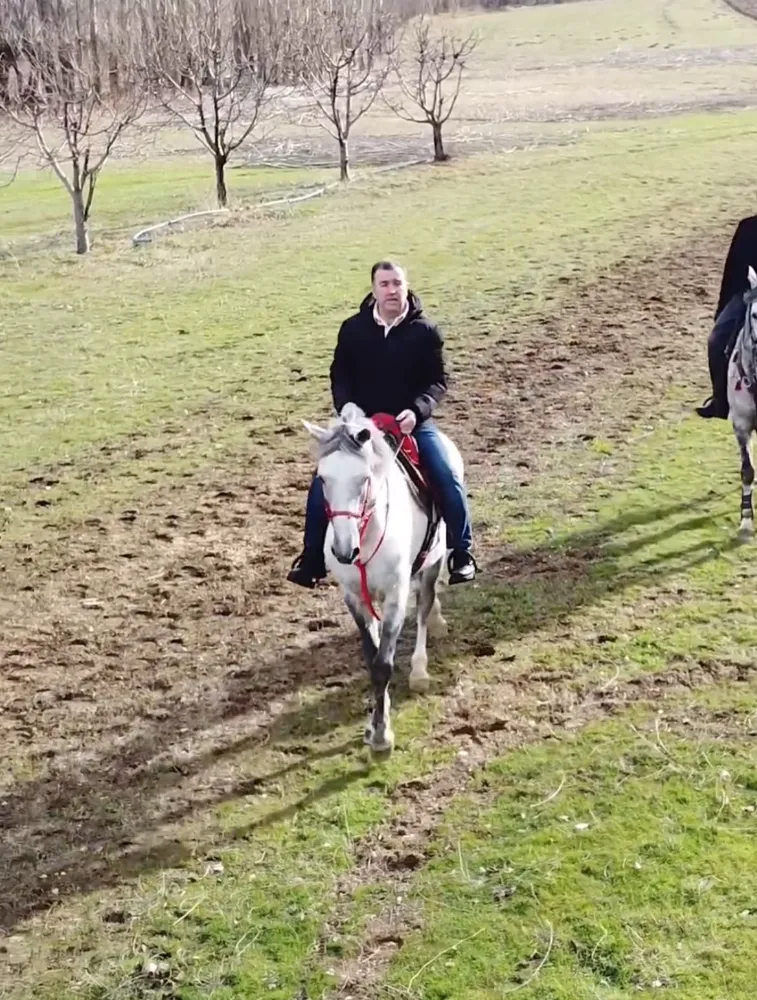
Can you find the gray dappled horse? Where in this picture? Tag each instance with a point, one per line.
(742, 400)
(378, 532)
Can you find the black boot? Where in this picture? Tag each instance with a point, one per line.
(713, 408)
(717, 405)
(307, 569)
(462, 567)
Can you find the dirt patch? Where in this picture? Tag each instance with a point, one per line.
(393, 149)
(142, 649)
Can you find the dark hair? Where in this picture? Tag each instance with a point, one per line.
(385, 265)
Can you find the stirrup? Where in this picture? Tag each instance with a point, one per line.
(453, 571)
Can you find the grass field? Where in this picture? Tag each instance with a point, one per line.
(185, 805)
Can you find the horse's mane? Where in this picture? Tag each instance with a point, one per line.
(342, 436)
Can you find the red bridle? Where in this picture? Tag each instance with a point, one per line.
(364, 515)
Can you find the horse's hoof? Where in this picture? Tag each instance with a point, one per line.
(419, 683)
(380, 740)
(746, 528)
(383, 744)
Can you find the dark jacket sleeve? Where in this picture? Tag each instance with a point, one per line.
(434, 376)
(742, 253)
(341, 381)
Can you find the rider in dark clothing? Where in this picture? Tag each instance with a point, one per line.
(389, 359)
(730, 314)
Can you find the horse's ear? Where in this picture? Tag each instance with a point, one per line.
(319, 433)
(752, 277)
(351, 413)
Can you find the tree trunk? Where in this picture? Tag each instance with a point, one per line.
(94, 54)
(82, 231)
(221, 193)
(439, 154)
(344, 161)
(113, 74)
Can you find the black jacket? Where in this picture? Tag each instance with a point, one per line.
(403, 370)
(742, 253)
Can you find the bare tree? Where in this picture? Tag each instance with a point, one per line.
(430, 77)
(213, 64)
(346, 58)
(58, 97)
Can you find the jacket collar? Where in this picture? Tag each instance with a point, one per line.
(387, 327)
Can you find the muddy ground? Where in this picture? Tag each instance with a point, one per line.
(143, 648)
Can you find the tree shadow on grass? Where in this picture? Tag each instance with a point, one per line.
(79, 828)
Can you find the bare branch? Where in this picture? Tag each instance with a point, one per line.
(50, 156)
(7, 154)
(13, 176)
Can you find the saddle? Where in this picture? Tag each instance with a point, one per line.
(409, 462)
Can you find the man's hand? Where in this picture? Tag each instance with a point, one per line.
(407, 421)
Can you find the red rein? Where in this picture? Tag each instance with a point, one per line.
(364, 516)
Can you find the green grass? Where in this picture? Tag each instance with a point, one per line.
(132, 194)
(650, 895)
(636, 565)
(185, 333)
(241, 916)
(619, 857)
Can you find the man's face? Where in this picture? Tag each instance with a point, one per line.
(390, 291)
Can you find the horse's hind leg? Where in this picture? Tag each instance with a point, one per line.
(437, 623)
(743, 436)
(428, 602)
(379, 732)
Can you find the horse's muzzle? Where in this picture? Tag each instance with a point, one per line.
(344, 560)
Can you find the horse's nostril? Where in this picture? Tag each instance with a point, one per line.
(343, 559)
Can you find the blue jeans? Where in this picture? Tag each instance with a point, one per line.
(449, 492)
(727, 325)
(316, 521)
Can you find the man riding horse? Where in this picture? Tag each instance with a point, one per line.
(389, 359)
(730, 315)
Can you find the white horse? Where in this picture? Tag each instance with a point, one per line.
(742, 390)
(376, 532)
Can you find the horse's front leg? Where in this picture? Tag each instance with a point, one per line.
(366, 626)
(379, 734)
(743, 433)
